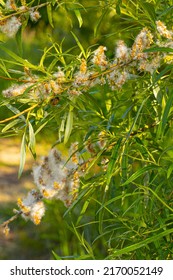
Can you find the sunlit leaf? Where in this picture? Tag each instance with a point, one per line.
(50, 16)
(79, 17)
(165, 115)
(31, 143)
(69, 125)
(19, 42)
(79, 45)
(17, 58)
(56, 257)
(159, 49)
(112, 161)
(11, 125)
(140, 172)
(22, 155)
(169, 172)
(100, 20)
(149, 9)
(142, 243)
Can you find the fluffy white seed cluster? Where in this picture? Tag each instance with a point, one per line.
(10, 5)
(32, 207)
(143, 41)
(36, 89)
(81, 78)
(162, 29)
(16, 90)
(122, 52)
(56, 177)
(126, 62)
(10, 26)
(99, 57)
(34, 15)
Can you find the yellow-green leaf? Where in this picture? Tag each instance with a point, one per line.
(69, 125)
(31, 140)
(79, 17)
(49, 14)
(22, 155)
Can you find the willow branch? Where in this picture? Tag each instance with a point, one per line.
(6, 223)
(19, 114)
(19, 12)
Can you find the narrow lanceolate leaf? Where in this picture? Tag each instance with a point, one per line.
(18, 58)
(69, 125)
(22, 155)
(140, 172)
(79, 44)
(79, 17)
(170, 169)
(49, 14)
(159, 49)
(118, 7)
(165, 116)
(112, 162)
(165, 72)
(100, 20)
(10, 125)
(15, 111)
(56, 257)
(141, 243)
(31, 140)
(19, 42)
(149, 10)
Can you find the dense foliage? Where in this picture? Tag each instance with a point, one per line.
(96, 76)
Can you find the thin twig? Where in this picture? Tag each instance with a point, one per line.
(14, 79)
(6, 223)
(24, 11)
(19, 114)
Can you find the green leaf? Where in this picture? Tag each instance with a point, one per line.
(54, 2)
(45, 53)
(11, 124)
(140, 172)
(56, 257)
(22, 155)
(19, 42)
(31, 143)
(142, 243)
(159, 49)
(23, 62)
(99, 22)
(149, 10)
(83, 210)
(162, 73)
(164, 119)
(137, 116)
(165, 11)
(69, 125)
(52, 64)
(170, 169)
(79, 17)
(112, 162)
(118, 6)
(15, 111)
(3, 67)
(94, 161)
(49, 14)
(79, 45)
(41, 127)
